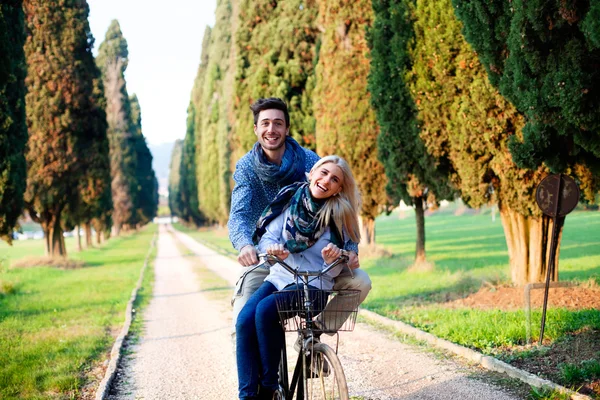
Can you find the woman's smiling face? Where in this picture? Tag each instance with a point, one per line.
(326, 181)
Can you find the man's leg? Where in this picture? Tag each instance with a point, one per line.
(333, 319)
(247, 285)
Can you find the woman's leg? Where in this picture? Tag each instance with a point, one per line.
(247, 349)
(270, 341)
(271, 334)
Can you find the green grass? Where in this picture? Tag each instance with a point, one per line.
(573, 374)
(30, 248)
(466, 251)
(57, 323)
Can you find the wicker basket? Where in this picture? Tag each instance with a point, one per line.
(332, 310)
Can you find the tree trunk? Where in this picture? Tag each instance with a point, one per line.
(87, 227)
(55, 242)
(78, 229)
(527, 252)
(420, 217)
(367, 231)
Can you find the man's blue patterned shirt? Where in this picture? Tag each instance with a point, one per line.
(250, 197)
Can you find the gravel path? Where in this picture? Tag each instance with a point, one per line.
(185, 351)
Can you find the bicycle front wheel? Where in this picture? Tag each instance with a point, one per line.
(324, 377)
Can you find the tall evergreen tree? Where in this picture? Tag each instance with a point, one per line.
(346, 124)
(189, 167)
(174, 179)
(13, 128)
(544, 57)
(414, 176)
(60, 95)
(187, 171)
(282, 66)
(462, 116)
(146, 196)
(112, 60)
(214, 115)
(94, 205)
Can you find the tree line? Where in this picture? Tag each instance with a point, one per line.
(427, 100)
(73, 152)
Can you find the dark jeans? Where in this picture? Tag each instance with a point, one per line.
(259, 340)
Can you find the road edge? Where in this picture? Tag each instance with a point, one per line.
(115, 354)
(486, 362)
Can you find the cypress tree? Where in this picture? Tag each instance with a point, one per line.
(95, 200)
(60, 95)
(414, 176)
(276, 49)
(214, 115)
(146, 195)
(464, 117)
(346, 124)
(544, 57)
(187, 171)
(112, 60)
(174, 179)
(13, 128)
(190, 159)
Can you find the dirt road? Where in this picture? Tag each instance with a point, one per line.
(185, 351)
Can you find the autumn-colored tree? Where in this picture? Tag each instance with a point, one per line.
(463, 117)
(60, 96)
(13, 129)
(146, 196)
(414, 176)
(94, 206)
(112, 60)
(346, 124)
(174, 179)
(544, 57)
(276, 55)
(213, 105)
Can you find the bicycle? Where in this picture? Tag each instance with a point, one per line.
(318, 373)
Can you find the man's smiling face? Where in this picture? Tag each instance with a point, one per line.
(271, 129)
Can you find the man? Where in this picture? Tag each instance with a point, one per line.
(275, 161)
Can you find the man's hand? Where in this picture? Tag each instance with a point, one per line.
(248, 256)
(353, 260)
(278, 250)
(331, 253)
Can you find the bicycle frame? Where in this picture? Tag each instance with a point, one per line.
(306, 334)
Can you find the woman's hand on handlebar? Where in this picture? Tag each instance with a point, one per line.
(278, 250)
(331, 253)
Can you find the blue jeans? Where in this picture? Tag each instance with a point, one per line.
(259, 340)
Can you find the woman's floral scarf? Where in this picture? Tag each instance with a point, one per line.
(301, 229)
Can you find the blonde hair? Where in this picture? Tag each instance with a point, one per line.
(344, 207)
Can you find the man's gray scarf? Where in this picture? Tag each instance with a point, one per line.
(291, 170)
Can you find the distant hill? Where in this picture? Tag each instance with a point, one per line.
(161, 158)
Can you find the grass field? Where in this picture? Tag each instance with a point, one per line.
(466, 251)
(57, 324)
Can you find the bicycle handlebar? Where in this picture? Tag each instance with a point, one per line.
(341, 259)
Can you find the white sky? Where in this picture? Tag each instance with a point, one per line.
(164, 41)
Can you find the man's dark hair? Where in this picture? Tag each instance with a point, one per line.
(271, 103)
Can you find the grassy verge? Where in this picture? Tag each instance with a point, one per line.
(56, 323)
(217, 238)
(212, 285)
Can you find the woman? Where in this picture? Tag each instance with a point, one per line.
(307, 224)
